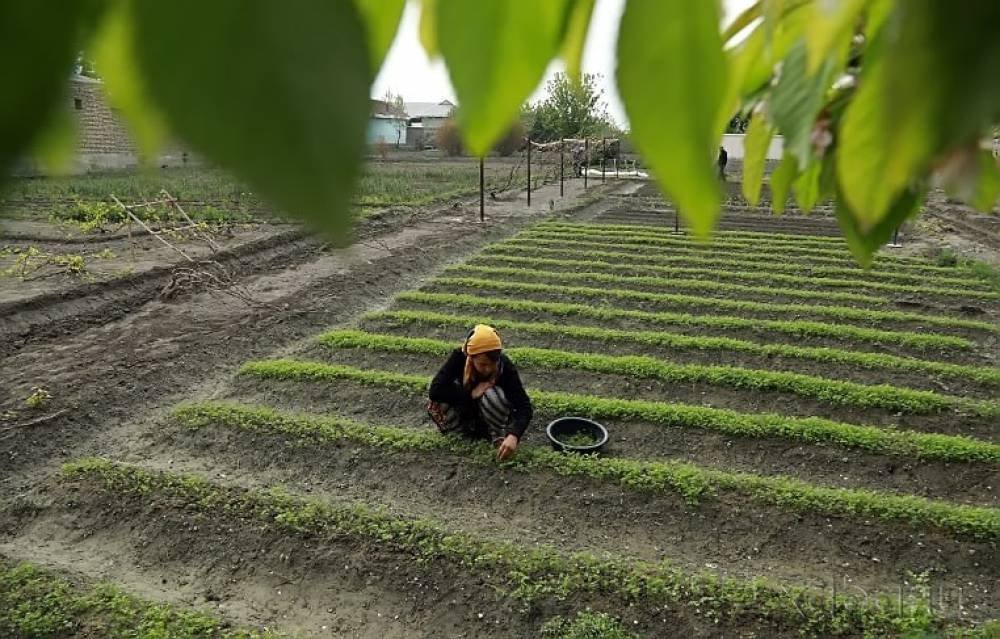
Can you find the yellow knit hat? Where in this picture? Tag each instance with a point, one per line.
(482, 339)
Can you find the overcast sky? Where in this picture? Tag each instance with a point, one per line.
(408, 71)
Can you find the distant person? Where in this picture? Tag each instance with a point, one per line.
(722, 161)
(478, 393)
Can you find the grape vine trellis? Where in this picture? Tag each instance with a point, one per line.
(876, 99)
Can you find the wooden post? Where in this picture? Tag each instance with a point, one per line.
(618, 157)
(562, 153)
(586, 166)
(604, 154)
(482, 187)
(529, 171)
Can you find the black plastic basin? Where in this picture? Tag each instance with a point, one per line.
(561, 433)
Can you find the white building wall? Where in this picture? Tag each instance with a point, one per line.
(733, 143)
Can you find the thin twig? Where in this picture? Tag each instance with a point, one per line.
(132, 215)
(174, 203)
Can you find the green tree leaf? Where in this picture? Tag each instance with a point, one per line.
(674, 113)
(497, 52)
(755, 144)
(829, 27)
(754, 59)
(970, 174)
(428, 28)
(743, 20)
(864, 241)
(796, 100)
(576, 37)
(876, 156)
(900, 123)
(55, 146)
(807, 186)
(278, 94)
(39, 42)
(781, 181)
(956, 45)
(116, 60)
(381, 19)
(988, 185)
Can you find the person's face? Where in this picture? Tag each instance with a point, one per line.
(485, 363)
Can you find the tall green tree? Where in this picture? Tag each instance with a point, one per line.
(570, 110)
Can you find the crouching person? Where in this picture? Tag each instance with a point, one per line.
(478, 393)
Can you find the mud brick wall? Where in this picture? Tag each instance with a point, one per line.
(99, 128)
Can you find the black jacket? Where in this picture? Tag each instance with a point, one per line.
(444, 389)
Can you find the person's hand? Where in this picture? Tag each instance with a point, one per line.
(507, 447)
(480, 389)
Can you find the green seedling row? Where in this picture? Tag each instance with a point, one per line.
(705, 286)
(35, 603)
(795, 327)
(706, 277)
(722, 235)
(723, 257)
(692, 482)
(666, 237)
(631, 231)
(883, 396)
(815, 430)
(977, 374)
(598, 251)
(646, 241)
(527, 574)
(840, 312)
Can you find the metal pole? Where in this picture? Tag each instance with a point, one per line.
(562, 152)
(618, 157)
(482, 188)
(586, 166)
(604, 154)
(529, 171)
(895, 239)
(677, 228)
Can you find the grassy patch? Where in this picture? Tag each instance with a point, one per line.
(586, 625)
(399, 183)
(794, 327)
(691, 482)
(37, 604)
(187, 183)
(528, 574)
(809, 429)
(32, 263)
(883, 396)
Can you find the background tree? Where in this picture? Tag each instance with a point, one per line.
(449, 138)
(514, 140)
(570, 110)
(397, 107)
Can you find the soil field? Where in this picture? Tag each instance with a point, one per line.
(799, 447)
